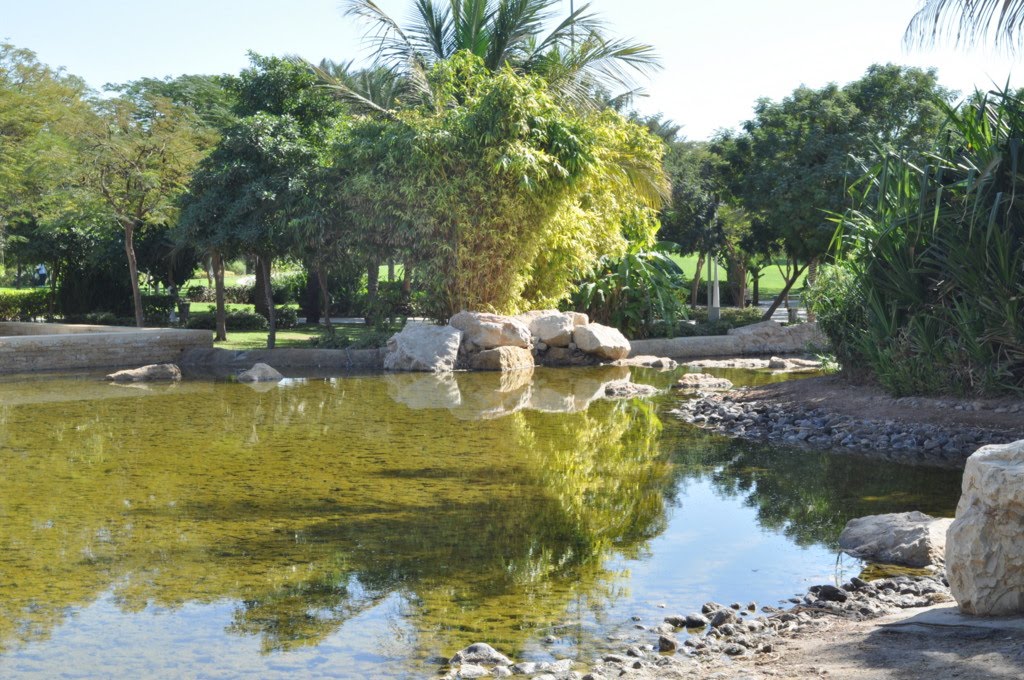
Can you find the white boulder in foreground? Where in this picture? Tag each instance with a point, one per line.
(552, 327)
(260, 373)
(601, 341)
(152, 372)
(487, 331)
(985, 543)
(912, 539)
(423, 347)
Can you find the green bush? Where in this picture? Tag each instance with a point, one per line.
(244, 320)
(24, 305)
(370, 340)
(157, 308)
(731, 317)
(838, 305)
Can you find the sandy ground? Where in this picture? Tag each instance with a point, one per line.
(913, 644)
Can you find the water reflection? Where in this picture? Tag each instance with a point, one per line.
(401, 516)
(310, 504)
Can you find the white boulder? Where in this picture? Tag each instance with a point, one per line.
(423, 347)
(487, 331)
(152, 372)
(553, 328)
(985, 543)
(602, 341)
(912, 539)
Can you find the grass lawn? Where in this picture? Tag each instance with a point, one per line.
(771, 279)
(301, 336)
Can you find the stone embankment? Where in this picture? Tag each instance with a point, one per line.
(821, 428)
(694, 644)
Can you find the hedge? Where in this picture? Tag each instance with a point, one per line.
(24, 305)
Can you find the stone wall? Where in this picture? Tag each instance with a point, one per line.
(767, 337)
(35, 347)
(303, 360)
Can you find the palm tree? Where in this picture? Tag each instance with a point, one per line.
(576, 57)
(968, 22)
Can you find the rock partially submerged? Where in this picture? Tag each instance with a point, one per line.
(150, 373)
(260, 373)
(423, 347)
(985, 543)
(911, 539)
(480, 653)
(702, 381)
(624, 389)
(502, 359)
(648, 361)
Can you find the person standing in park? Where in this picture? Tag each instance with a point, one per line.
(41, 274)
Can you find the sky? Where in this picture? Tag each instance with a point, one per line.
(719, 57)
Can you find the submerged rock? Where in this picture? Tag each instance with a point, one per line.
(502, 359)
(260, 373)
(985, 543)
(624, 389)
(702, 381)
(912, 539)
(152, 372)
(480, 653)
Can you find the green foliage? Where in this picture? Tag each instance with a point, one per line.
(24, 305)
(731, 317)
(243, 320)
(157, 308)
(639, 293)
(937, 252)
(506, 195)
(838, 305)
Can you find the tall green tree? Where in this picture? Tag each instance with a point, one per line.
(139, 162)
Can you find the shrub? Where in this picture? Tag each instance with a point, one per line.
(157, 308)
(236, 321)
(24, 305)
(838, 304)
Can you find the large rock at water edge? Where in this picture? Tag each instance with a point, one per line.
(985, 543)
(602, 341)
(152, 372)
(553, 328)
(423, 347)
(487, 331)
(260, 373)
(912, 539)
(502, 359)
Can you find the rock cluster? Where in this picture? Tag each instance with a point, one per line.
(819, 428)
(985, 543)
(682, 645)
(491, 342)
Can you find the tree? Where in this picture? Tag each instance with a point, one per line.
(507, 195)
(575, 57)
(968, 22)
(139, 162)
(795, 160)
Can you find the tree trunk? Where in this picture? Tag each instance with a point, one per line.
(782, 296)
(133, 271)
(695, 286)
(756, 295)
(217, 264)
(812, 276)
(372, 279)
(325, 299)
(406, 279)
(258, 298)
(268, 297)
(391, 270)
(736, 276)
(310, 307)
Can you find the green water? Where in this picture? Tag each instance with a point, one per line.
(368, 526)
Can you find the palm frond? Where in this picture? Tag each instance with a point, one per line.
(968, 22)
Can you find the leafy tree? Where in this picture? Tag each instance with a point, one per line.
(507, 195)
(210, 97)
(138, 162)
(793, 163)
(574, 58)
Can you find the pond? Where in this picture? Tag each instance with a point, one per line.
(371, 526)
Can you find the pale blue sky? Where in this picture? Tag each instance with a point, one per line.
(719, 57)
